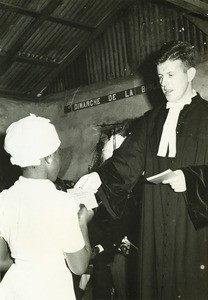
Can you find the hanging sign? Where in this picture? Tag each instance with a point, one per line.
(112, 97)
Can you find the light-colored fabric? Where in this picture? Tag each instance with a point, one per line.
(100, 247)
(39, 223)
(113, 143)
(168, 137)
(30, 139)
(84, 281)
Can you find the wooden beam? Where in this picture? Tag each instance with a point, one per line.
(201, 24)
(36, 15)
(17, 95)
(6, 60)
(77, 50)
(194, 6)
(71, 23)
(35, 61)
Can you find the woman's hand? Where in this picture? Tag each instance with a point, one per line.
(85, 215)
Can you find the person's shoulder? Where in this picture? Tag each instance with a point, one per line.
(199, 98)
(7, 191)
(3, 196)
(146, 118)
(200, 102)
(154, 112)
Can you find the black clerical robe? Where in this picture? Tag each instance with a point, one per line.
(173, 247)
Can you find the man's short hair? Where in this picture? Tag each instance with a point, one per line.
(175, 50)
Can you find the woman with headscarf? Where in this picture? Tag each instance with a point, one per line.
(41, 226)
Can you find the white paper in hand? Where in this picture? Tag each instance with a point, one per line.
(83, 197)
(89, 182)
(158, 178)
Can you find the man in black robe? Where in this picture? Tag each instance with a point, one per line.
(173, 246)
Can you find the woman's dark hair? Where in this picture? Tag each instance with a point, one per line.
(175, 50)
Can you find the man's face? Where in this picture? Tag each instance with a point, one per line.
(174, 80)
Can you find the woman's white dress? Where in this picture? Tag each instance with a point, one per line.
(39, 223)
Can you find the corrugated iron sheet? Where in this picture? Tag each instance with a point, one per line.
(126, 43)
(40, 38)
(44, 45)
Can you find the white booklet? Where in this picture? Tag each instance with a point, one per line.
(83, 197)
(158, 178)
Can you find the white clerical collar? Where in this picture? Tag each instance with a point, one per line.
(168, 137)
(181, 103)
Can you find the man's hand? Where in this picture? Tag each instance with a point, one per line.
(90, 182)
(178, 183)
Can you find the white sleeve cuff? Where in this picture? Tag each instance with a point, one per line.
(101, 249)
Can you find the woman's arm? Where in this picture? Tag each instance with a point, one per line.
(79, 261)
(5, 258)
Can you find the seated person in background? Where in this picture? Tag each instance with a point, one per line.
(39, 225)
(113, 268)
(103, 250)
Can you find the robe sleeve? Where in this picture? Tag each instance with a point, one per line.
(120, 173)
(197, 194)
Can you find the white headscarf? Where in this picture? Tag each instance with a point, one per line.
(30, 139)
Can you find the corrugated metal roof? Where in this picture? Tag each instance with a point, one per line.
(40, 38)
(127, 44)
